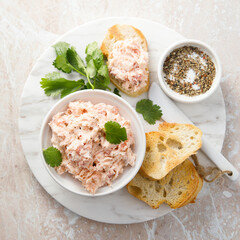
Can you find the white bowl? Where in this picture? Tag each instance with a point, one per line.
(126, 110)
(183, 98)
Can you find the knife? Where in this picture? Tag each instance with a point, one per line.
(171, 113)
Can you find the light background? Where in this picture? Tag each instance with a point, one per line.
(27, 28)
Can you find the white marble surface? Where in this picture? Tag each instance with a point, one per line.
(26, 29)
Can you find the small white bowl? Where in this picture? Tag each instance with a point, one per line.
(183, 98)
(126, 110)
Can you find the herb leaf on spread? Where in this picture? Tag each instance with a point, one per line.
(115, 134)
(53, 85)
(150, 112)
(95, 70)
(116, 91)
(53, 156)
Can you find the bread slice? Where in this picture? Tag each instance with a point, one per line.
(169, 147)
(178, 188)
(121, 32)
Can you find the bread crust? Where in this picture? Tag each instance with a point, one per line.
(120, 32)
(185, 179)
(166, 174)
(192, 198)
(158, 164)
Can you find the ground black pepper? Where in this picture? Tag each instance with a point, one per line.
(189, 71)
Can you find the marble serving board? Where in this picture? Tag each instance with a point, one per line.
(119, 207)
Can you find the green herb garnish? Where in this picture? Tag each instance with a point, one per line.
(150, 112)
(78, 65)
(115, 134)
(61, 62)
(116, 91)
(53, 156)
(96, 66)
(95, 70)
(53, 85)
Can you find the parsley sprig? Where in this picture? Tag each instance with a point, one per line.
(95, 70)
(115, 134)
(53, 85)
(150, 112)
(116, 91)
(53, 156)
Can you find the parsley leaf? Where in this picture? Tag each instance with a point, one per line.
(103, 77)
(61, 48)
(150, 112)
(96, 67)
(91, 69)
(75, 61)
(53, 85)
(114, 132)
(116, 91)
(94, 53)
(61, 62)
(67, 60)
(53, 156)
(77, 64)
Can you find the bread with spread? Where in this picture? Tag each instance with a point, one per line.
(126, 50)
(168, 147)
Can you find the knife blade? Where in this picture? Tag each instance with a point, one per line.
(171, 113)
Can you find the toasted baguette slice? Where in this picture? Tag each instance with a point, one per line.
(178, 188)
(121, 32)
(169, 147)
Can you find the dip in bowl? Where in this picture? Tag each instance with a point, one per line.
(102, 99)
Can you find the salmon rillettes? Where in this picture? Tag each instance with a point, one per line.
(128, 62)
(86, 154)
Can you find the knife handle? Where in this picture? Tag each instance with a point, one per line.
(221, 162)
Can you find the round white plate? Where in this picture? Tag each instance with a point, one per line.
(119, 207)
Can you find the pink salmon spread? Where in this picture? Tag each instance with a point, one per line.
(87, 155)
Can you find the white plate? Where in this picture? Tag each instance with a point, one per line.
(119, 207)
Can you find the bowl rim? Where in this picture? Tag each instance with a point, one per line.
(139, 159)
(183, 98)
